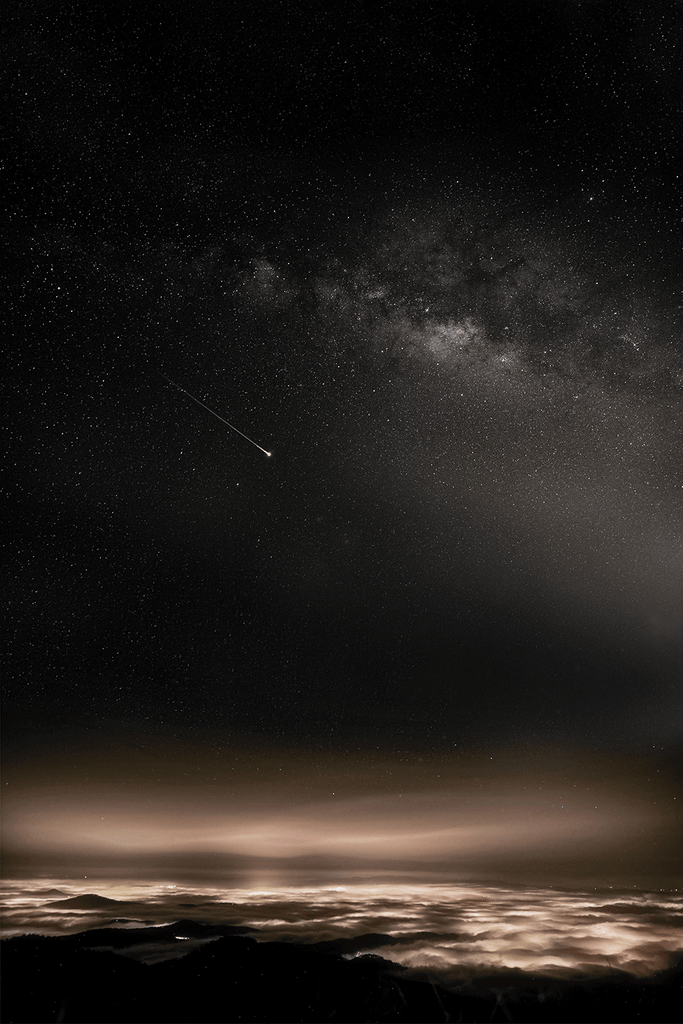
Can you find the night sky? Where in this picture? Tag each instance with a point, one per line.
(429, 257)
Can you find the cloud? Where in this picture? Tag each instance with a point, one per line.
(450, 931)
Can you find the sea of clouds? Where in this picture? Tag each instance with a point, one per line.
(447, 932)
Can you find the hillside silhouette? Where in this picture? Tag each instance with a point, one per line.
(236, 978)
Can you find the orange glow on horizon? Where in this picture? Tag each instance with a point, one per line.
(376, 809)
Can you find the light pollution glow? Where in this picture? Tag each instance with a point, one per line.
(478, 816)
(468, 861)
(424, 825)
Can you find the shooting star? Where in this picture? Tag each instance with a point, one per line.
(232, 427)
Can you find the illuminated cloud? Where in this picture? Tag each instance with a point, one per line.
(443, 931)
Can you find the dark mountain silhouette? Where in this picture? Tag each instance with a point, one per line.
(353, 944)
(121, 938)
(236, 978)
(88, 901)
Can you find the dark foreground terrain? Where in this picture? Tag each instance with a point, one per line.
(234, 978)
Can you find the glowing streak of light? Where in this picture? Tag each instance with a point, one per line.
(232, 427)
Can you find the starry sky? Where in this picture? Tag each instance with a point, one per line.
(429, 258)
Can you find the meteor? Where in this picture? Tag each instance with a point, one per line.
(214, 414)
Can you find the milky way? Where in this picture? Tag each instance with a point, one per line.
(478, 408)
(431, 260)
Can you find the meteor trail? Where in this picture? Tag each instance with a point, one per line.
(214, 414)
